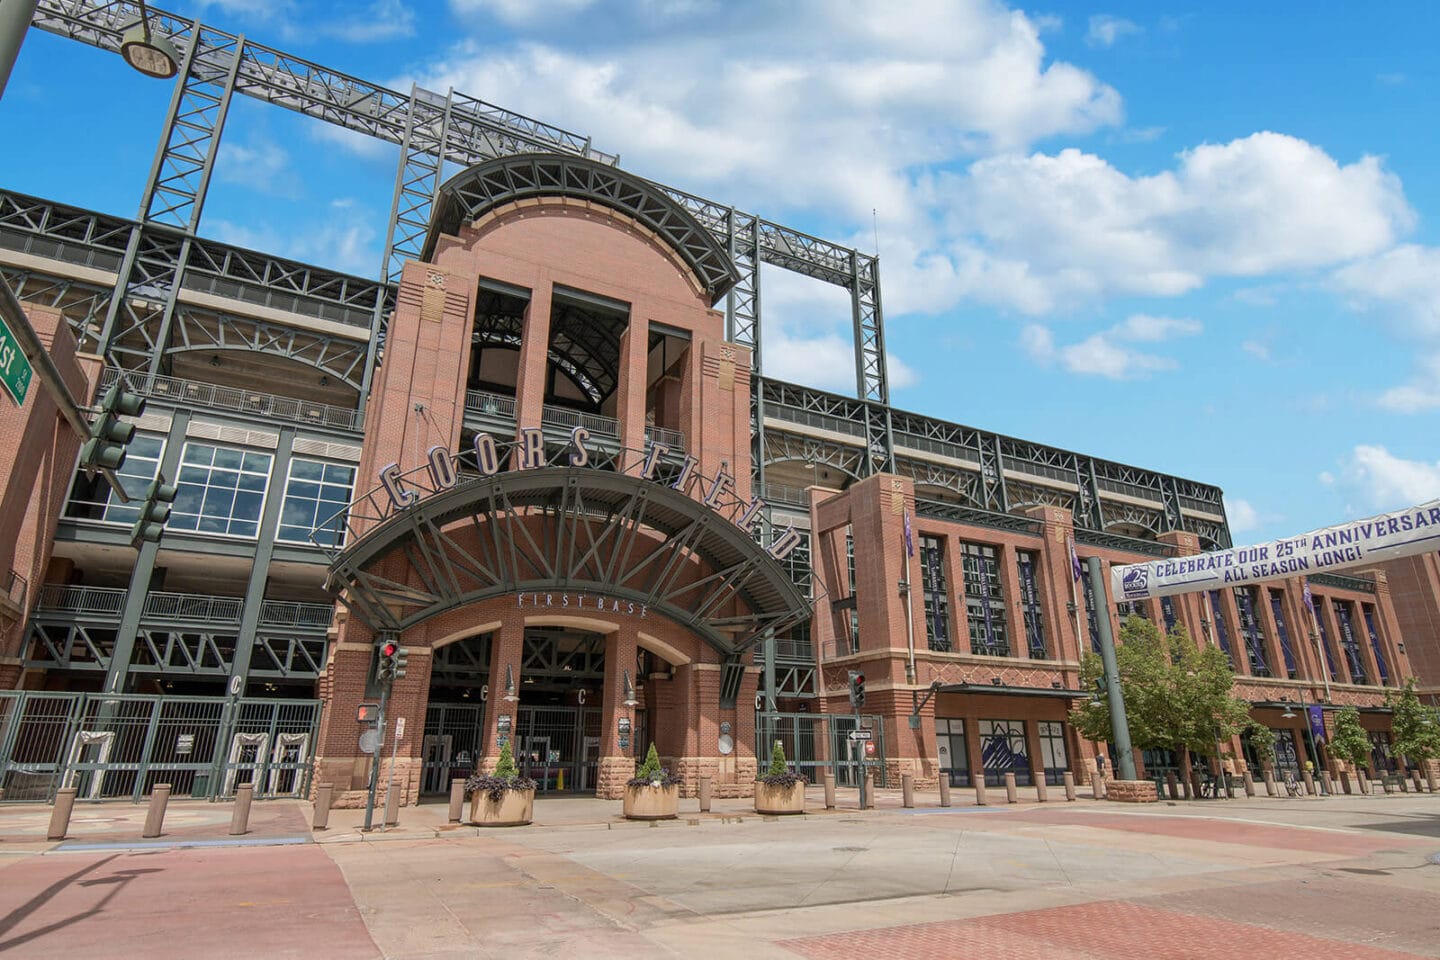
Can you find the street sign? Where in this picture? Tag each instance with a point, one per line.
(399, 729)
(15, 370)
(860, 734)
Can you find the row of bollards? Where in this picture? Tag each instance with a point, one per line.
(154, 816)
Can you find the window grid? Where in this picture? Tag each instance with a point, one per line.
(1349, 644)
(934, 592)
(1025, 565)
(1167, 610)
(142, 464)
(315, 492)
(1003, 750)
(1053, 755)
(1277, 611)
(1324, 639)
(221, 490)
(1380, 667)
(1251, 632)
(1222, 633)
(984, 602)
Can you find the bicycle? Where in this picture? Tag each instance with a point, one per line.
(1292, 788)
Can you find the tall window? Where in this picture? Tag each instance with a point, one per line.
(1025, 566)
(94, 499)
(934, 592)
(1003, 750)
(954, 757)
(1319, 622)
(854, 611)
(1167, 610)
(1369, 613)
(1052, 751)
(1349, 643)
(314, 494)
(1222, 633)
(222, 490)
(1250, 630)
(1277, 610)
(1093, 624)
(984, 601)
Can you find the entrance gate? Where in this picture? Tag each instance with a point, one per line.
(451, 744)
(551, 746)
(817, 743)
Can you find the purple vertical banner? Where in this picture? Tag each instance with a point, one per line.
(985, 599)
(1317, 723)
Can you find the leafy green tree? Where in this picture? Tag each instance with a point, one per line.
(1415, 728)
(1350, 742)
(1262, 742)
(1178, 695)
(505, 768)
(777, 761)
(650, 769)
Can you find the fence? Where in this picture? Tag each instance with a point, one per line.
(817, 743)
(118, 746)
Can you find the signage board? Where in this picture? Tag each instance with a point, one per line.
(860, 734)
(15, 370)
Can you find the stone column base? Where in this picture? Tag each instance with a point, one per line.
(351, 795)
(1132, 791)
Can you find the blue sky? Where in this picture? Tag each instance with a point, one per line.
(1201, 239)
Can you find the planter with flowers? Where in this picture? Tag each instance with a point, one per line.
(653, 793)
(503, 798)
(780, 790)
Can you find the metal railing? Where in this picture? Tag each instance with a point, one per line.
(594, 422)
(60, 598)
(674, 439)
(501, 407)
(822, 421)
(490, 404)
(118, 746)
(1342, 582)
(779, 493)
(278, 613)
(248, 402)
(193, 606)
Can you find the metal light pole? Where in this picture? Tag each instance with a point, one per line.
(1119, 728)
(15, 17)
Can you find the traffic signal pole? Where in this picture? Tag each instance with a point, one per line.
(376, 757)
(1119, 726)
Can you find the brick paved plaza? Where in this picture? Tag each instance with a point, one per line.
(1348, 877)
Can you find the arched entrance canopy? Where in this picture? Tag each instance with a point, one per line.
(570, 530)
(467, 196)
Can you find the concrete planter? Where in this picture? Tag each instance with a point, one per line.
(515, 808)
(779, 800)
(652, 802)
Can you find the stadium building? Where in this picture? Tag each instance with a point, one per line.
(541, 454)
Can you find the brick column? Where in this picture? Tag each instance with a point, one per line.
(1272, 631)
(1005, 561)
(617, 764)
(1325, 613)
(630, 392)
(1388, 627)
(955, 578)
(507, 649)
(534, 362)
(1054, 580)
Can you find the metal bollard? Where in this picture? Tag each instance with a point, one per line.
(155, 816)
(1010, 795)
(907, 790)
(392, 805)
(60, 816)
(457, 799)
(980, 790)
(324, 797)
(1042, 789)
(705, 791)
(1269, 783)
(240, 817)
(1309, 782)
(944, 788)
(1069, 785)
(828, 780)
(869, 791)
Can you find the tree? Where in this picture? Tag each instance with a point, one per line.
(1415, 728)
(1262, 742)
(1350, 742)
(1177, 693)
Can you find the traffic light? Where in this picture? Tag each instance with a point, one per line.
(390, 662)
(398, 662)
(108, 435)
(153, 512)
(857, 689)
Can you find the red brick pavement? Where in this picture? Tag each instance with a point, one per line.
(273, 902)
(1105, 930)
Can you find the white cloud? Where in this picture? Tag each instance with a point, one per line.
(819, 103)
(383, 20)
(1403, 285)
(1105, 29)
(347, 240)
(1106, 354)
(1390, 482)
(520, 11)
(1241, 515)
(1256, 349)
(1033, 232)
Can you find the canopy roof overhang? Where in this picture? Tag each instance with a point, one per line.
(605, 534)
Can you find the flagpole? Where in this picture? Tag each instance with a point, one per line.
(909, 604)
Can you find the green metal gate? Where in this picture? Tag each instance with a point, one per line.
(817, 743)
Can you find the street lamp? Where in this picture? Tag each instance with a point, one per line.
(151, 54)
